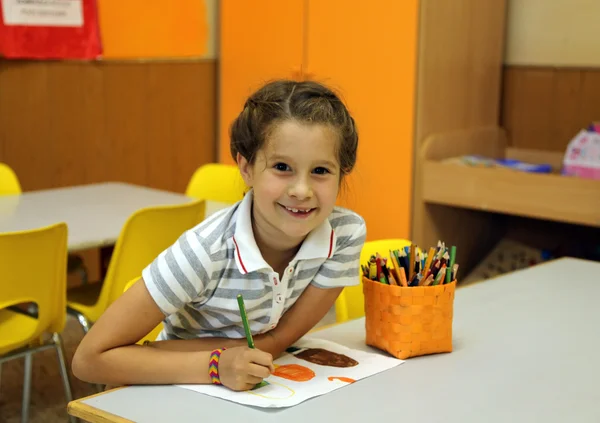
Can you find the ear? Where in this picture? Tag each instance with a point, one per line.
(245, 169)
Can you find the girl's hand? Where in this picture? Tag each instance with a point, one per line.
(241, 368)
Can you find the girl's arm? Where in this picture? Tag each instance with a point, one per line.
(108, 354)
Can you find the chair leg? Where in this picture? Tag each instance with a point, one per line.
(60, 353)
(26, 388)
(83, 321)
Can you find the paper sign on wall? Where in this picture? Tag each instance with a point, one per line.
(43, 12)
(49, 29)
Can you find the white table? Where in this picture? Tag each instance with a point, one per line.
(526, 348)
(95, 213)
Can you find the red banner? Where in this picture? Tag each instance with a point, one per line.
(49, 29)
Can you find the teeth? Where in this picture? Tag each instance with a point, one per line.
(297, 211)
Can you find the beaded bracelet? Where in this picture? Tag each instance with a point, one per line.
(213, 366)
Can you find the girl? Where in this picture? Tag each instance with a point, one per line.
(286, 247)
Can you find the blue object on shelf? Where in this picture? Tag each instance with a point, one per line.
(525, 167)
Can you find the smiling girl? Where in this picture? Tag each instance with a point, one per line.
(285, 247)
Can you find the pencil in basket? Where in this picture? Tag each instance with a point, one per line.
(406, 267)
(409, 300)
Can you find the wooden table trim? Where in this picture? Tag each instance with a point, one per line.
(92, 414)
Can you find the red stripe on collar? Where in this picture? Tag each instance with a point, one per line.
(237, 250)
(330, 244)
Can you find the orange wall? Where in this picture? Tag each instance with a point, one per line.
(366, 51)
(153, 29)
(259, 40)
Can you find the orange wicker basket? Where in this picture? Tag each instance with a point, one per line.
(409, 321)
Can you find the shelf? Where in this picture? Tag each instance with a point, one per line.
(541, 196)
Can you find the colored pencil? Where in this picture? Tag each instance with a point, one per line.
(242, 307)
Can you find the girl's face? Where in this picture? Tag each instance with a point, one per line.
(295, 178)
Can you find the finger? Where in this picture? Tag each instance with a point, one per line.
(258, 371)
(262, 358)
(253, 380)
(249, 386)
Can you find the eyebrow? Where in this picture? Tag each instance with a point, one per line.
(278, 157)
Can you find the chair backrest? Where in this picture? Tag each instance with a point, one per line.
(9, 182)
(146, 234)
(350, 303)
(217, 182)
(33, 267)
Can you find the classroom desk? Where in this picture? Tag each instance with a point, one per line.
(525, 349)
(94, 213)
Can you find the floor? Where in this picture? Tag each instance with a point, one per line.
(48, 403)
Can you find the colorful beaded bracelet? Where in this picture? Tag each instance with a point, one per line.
(213, 366)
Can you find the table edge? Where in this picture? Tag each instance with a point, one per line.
(92, 414)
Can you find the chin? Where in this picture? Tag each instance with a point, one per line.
(294, 230)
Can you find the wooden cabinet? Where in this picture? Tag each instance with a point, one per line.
(404, 68)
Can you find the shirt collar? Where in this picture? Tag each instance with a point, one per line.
(320, 242)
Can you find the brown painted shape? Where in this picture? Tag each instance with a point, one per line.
(326, 358)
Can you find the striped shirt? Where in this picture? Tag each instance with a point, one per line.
(195, 282)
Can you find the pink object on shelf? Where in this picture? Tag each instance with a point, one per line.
(582, 158)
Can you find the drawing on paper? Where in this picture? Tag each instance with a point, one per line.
(294, 372)
(322, 357)
(274, 391)
(311, 368)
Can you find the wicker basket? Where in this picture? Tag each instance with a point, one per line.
(409, 322)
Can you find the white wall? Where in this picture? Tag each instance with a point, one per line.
(553, 33)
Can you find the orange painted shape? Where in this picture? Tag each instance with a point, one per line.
(341, 378)
(294, 372)
(153, 29)
(367, 50)
(259, 40)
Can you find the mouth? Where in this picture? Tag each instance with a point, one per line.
(298, 212)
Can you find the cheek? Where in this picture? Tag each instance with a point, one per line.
(328, 192)
(270, 188)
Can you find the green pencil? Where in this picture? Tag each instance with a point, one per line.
(452, 261)
(240, 300)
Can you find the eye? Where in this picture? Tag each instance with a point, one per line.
(282, 167)
(321, 171)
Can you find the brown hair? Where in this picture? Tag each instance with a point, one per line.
(307, 102)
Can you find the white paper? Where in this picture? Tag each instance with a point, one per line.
(63, 13)
(283, 392)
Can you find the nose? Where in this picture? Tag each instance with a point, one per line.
(300, 189)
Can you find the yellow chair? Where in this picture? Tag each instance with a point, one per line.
(9, 183)
(154, 332)
(43, 283)
(350, 303)
(146, 234)
(217, 182)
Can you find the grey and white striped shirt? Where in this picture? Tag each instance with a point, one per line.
(195, 282)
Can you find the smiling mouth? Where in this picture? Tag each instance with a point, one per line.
(298, 212)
